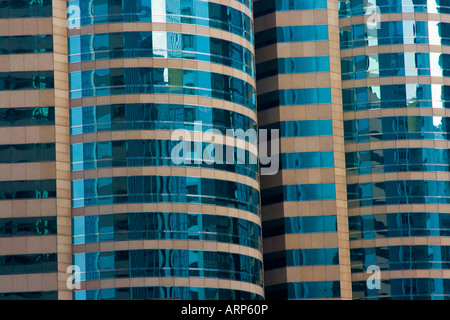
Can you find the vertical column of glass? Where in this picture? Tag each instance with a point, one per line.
(28, 222)
(298, 203)
(395, 117)
(160, 215)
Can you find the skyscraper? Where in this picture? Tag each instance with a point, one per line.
(144, 225)
(304, 210)
(35, 213)
(128, 146)
(395, 93)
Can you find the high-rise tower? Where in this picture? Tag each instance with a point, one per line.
(128, 144)
(304, 209)
(395, 100)
(144, 225)
(35, 213)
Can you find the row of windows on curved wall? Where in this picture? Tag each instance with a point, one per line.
(397, 160)
(304, 290)
(399, 224)
(32, 152)
(101, 82)
(28, 263)
(199, 13)
(396, 96)
(352, 8)
(298, 192)
(298, 225)
(289, 97)
(398, 192)
(26, 227)
(152, 189)
(301, 128)
(139, 153)
(168, 263)
(165, 226)
(301, 258)
(397, 128)
(156, 44)
(406, 257)
(160, 292)
(307, 160)
(394, 33)
(30, 116)
(265, 7)
(27, 189)
(395, 65)
(23, 80)
(29, 295)
(26, 44)
(267, 37)
(25, 9)
(155, 116)
(292, 65)
(404, 289)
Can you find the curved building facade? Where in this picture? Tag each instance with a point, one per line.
(147, 225)
(395, 98)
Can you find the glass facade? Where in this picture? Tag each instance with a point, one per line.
(28, 152)
(397, 184)
(130, 90)
(87, 148)
(295, 96)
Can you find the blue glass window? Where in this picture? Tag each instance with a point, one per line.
(307, 160)
(300, 192)
(398, 192)
(405, 289)
(161, 292)
(169, 263)
(387, 65)
(301, 257)
(23, 80)
(292, 65)
(392, 96)
(266, 7)
(32, 152)
(400, 224)
(28, 263)
(101, 82)
(304, 290)
(140, 153)
(149, 116)
(160, 44)
(397, 160)
(389, 33)
(291, 34)
(165, 226)
(29, 295)
(297, 225)
(30, 116)
(406, 257)
(27, 189)
(33, 226)
(287, 97)
(195, 12)
(396, 128)
(26, 44)
(25, 9)
(151, 189)
(301, 128)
